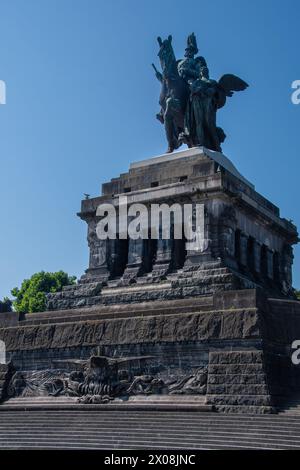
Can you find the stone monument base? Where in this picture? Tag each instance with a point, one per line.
(231, 350)
(213, 325)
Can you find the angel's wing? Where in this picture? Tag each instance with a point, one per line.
(227, 85)
(232, 83)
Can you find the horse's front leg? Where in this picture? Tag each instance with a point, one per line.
(170, 118)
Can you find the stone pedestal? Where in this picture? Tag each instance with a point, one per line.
(231, 349)
(230, 249)
(214, 320)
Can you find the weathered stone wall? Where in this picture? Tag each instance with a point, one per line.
(237, 382)
(6, 371)
(134, 330)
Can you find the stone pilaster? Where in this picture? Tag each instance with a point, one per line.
(243, 250)
(163, 261)
(226, 237)
(98, 255)
(135, 261)
(270, 268)
(199, 249)
(257, 256)
(286, 268)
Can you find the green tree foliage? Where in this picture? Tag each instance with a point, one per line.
(297, 293)
(5, 305)
(31, 297)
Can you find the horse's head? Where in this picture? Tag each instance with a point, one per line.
(167, 58)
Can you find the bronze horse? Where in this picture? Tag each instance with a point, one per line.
(174, 94)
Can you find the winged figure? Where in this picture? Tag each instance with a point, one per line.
(206, 97)
(227, 85)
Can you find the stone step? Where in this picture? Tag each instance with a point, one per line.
(39, 400)
(208, 265)
(119, 311)
(138, 434)
(101, 412)
(205, 272)
(108, 411)
(292, 409)
(137, 400)
(150, 425)
(187, 403)
(145, 430)
(289, 405)
(85, 412)
(199, 280)
(116, 407)
(71, 318)
(68, 441)
(86, 429)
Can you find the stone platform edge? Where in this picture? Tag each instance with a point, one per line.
(218, 157)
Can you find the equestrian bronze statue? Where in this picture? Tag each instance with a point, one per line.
(189, 98)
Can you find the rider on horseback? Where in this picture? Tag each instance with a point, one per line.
(189, 68)
(189, 99)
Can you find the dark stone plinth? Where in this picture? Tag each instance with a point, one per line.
(233, 348)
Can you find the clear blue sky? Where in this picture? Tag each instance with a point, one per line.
(81, 104)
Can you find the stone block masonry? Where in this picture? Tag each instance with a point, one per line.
(237, 382)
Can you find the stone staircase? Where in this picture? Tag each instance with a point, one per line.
(162, 283)
(195, 280)
(86, 429)
(290, 406)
